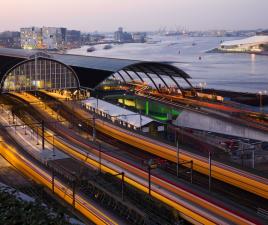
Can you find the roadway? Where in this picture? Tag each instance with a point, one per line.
(187, 200)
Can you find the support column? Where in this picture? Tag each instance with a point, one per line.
(43, 134)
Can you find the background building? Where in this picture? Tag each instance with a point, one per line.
(139, 37)
(73, 39)
(43, 38)
(121, 36)
(264, 32)
(257, 43)
(10, 39)
(53, 37)
(31, 38)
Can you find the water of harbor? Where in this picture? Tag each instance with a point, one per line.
(226, 71)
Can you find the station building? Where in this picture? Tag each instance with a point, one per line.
(30, 70)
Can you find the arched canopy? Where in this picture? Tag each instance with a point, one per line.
(92, 71)
(39, 73)
(153, 71)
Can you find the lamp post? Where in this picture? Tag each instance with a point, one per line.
(94, 128)
(53, 179)
(97, 97)
(53, 143)
(178, 154)
(151, 166)
(100, 158)
(209, 179)
(261, 93)
(122, 186)
(252, 148)
(140, 121)
(53, 155)
(74, 187)
(43, 134)
(122, 174)
(253, 158)
(94, 120)
(37, 142)
(149, 178)
(25, 130)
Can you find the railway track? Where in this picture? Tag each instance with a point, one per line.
(134, 150)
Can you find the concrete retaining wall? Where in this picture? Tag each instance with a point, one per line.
(204, 122)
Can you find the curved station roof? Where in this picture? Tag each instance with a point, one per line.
(91, 71)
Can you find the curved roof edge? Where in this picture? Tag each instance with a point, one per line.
(247, 41)
(92, 70)
(90, 62)
(3, 77)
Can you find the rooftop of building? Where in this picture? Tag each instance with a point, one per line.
(92, 71)
(118, 112)
(259, 39)
(93, 62)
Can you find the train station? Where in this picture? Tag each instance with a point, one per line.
(24, 70)
(133, 112)
(140, 125)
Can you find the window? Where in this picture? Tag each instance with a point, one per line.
(40, 74)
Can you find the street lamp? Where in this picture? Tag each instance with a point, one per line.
(210, 167)
(100, 158)
(53, 143)
(94, 128)
(122, 174)
(252, 148)
(261, 93)
(37, 142)
(178, 154)
(74, 187)
(140, 121)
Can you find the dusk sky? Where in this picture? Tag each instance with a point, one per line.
(134, 15)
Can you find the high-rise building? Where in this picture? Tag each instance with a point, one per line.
(43, 38)
(31, 38)
(53, 37)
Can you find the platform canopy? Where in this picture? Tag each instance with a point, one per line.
(89, 70)
(116, 113)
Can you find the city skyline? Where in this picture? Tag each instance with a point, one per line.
(135, 15)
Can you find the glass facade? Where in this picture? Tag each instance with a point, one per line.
(40, 74)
